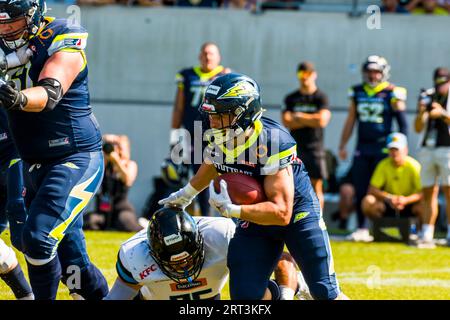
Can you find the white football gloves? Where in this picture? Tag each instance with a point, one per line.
(19, 57)
(180, 199)
(222, 202)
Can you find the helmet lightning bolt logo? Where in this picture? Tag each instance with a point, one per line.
(240, 89)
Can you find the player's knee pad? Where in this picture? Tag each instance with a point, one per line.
(37, 248)
(8, 258)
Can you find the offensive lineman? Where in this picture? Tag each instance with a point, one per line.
(248, 143)
(59, 141)
(373, 104)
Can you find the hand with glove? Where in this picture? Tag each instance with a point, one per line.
(181, 199)
(221, 201)
(11, 98)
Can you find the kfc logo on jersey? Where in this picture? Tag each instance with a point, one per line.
(144, 274)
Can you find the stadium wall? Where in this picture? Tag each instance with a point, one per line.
(134, 53)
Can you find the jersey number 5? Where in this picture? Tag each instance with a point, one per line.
(191, 296)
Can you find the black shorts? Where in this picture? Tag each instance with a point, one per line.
(315, 163)
(405, 213)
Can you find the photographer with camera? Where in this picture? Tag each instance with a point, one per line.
(113, 209)
(433, 119)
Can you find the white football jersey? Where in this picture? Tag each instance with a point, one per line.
(135, 258)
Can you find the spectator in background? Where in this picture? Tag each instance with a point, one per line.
(239, 4)
(433, 118)
(392, 6)
(395, 188)
(445, 4)
(113, 209)
(373, 105)
(430, 7)
(95, 2)
(192, 83)
(197, 3)
(306, 114)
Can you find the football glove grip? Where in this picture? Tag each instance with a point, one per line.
(181, 198)
(12, 99)
(222, 202)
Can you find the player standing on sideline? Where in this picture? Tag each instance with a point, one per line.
(180, 257)
(59, 141)
(433, 118)
(11, 205)
(306, 114)
(262, 148)
(373, 104)
(192, 83)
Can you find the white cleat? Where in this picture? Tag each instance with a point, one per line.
(360, 235)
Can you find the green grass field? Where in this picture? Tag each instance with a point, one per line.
(365, 271)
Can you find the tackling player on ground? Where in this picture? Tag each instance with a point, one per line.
(181, 257)
(59, 141)
(241, 140)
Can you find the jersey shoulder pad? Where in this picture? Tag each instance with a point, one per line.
(399, 93)
(281, 147)
(217, 233)
(63, 35)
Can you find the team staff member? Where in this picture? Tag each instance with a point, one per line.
(373, 105)
(291, 215)
(306, 114)
(433, 119)
(192, 83)
(395, 187)
(59, 141)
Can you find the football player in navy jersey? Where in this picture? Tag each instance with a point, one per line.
(11, 206)
(58, 140)
(241, 140)
(374, 105)
(191, 86)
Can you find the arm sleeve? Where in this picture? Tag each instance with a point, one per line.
(400, 116)
(280, 160)
(69, 40)
(120, 291)
(378, 178)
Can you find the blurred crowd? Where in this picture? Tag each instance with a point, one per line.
(416, 7)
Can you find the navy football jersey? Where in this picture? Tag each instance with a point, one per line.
(374, 114)
(70, 127)
(7, 149)
(269, 149)
(194, 82)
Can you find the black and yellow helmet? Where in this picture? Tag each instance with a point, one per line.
(176, 244)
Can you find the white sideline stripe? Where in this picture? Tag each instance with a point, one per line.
(399, 282)
(413, 271)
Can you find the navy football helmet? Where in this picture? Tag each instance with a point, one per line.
(376, 63)
(11, 11)
(176, 244)
(236, 96)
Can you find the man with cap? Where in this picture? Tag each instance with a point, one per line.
(433, 120)
(395, 187)
(306, 114)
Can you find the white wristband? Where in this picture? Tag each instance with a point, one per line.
(190, 190)
(235, 211)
